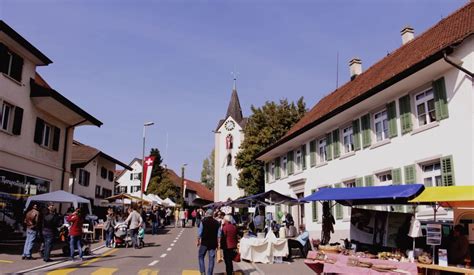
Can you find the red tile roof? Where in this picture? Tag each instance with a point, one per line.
(82, 154)
(397, 65)
(197, 187)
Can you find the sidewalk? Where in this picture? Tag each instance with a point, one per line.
(11, 250)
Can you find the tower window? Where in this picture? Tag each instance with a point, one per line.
(229, 160)
(229, 142)
(229, 180)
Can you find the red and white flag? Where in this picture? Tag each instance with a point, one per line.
(147, 167)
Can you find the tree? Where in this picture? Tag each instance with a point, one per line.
(265, 126)
(160, 184)
(207, 173)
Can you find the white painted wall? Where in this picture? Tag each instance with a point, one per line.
(221, 191)
(124, 179)
(452, 136)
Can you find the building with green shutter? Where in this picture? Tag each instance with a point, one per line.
(406, 119)
(36, 126)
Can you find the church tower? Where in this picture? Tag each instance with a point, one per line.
(228, 137)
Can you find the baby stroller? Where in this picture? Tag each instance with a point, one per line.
(64, 238)
(141, 236)
(120, 236)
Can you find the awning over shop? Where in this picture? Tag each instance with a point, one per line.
(447, 196)
(392, 194)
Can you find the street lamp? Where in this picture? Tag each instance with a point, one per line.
(182, 183)
(146, 124)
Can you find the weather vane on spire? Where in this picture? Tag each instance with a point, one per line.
(234, 74)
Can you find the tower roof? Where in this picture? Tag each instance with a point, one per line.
(234, 110)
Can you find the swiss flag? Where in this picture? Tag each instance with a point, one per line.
(147, 167)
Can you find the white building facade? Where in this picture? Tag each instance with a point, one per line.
(407, 119)
(36, 125)
(128, 181)
(228, 137)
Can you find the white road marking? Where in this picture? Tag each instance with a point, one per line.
(172, 244)
(175, 241)
(163, 255)
(154, 263)
(169, 249)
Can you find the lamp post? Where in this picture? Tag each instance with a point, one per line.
(146, 124)
(182, 183)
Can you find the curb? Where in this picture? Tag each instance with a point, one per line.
(52, 264)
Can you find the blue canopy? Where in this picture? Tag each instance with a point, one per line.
(391, 194)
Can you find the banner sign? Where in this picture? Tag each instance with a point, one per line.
(147, 168)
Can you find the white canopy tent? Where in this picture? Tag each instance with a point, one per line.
(60, 196)
(149, 198)
(169, 202)
(155, 198)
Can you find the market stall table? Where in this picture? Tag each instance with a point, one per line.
(263, 250)
(341, 266)
(99, 227)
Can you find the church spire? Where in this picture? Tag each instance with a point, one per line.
(234, 110)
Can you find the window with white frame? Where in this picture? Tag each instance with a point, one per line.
(385, 178)
(322, 150)
(298, 161)
(135, 188)
(425, 107)
(431, 174)
(272, 171)
(47, 136)
(6, 116)
(347, 139)
(135, 176)
(84, 177)
(284, 167)
(381, 125)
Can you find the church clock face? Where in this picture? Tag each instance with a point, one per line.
(230, 125)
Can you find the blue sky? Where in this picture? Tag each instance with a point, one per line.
(127, 62)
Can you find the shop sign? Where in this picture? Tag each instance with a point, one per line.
(14, 183)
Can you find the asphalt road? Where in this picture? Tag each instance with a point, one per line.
(173, 251)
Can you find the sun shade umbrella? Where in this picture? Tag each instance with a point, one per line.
(447, 196)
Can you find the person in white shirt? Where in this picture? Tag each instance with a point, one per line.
(135, 221)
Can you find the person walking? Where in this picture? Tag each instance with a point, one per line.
(154, 220)
(168, 216)
(207, 241)
(186, 216)
(161, 217)
(31, 223)
(109, 226)
(193, 217)
(198, 217)
(228, 237)
(75, 232)
(49, 229)
(182, 217)
(176, 218)
(136, 221)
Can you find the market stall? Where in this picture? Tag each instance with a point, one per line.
(60, 196)
(342, 260)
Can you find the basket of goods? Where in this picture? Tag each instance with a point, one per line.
(320, 256)
(383, 267)
(365, 264)
(389, 256)
(425, 258)
(330, 260)
(330, 248)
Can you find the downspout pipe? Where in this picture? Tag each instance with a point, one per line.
(66, 137)
(448, 60)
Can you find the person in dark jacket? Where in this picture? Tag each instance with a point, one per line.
(207, 242)
(50, 224)
(458, 249)
(154, 220)
(75, 232)
(109, 226)
(228, 237)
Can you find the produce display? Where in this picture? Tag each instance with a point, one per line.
(425, 258)
(330, 248)
(390, 256)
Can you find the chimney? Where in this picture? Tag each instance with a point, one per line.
(408, 33)
(355, 67)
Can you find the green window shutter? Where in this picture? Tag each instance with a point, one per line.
(335, 143)
(303, 156)
(392, 119)
(312, 153)
(410, 174)
(356, 134)
(290, 165)
(447, 171)
(339, 210)
(441, 101)
(277, 168)
(267, 171)
(359, 182)
(397, 176)
(405, 114)
(329, 146)
(314, 206)
(369, 180)
(366, 131)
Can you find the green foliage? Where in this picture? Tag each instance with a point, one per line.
(265, 126)
(207, 173)
(160, 184)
